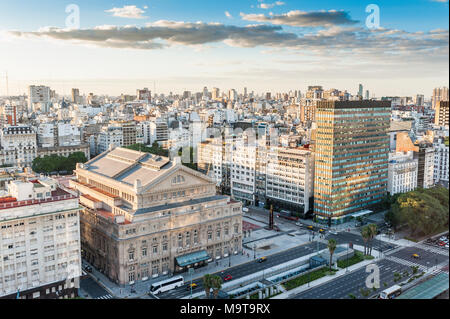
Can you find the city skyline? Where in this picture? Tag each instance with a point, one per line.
(273, 46)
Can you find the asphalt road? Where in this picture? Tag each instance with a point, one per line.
(426, 258)
(248, 268)
(94, 290)
(356, 239)
(352, 282)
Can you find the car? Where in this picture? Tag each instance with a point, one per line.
(262, 259)
(245, 209)
(333, 232)
(88, 268)
(321, 230)
(441, 243)
(193, 285)
(227, 278)
(310, 227)
(446, 245)
(417, 256)
(298, 224)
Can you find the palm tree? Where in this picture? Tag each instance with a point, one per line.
(331, 247)
(372, 233)
(365, 233)
(216, 283)
(207, 284)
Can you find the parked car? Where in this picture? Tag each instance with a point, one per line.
(227, 278)
(416, 256)
(88, 268)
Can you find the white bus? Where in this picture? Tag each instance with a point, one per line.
(391, 292)
(166, 285)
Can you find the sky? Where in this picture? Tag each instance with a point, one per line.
(265, 45)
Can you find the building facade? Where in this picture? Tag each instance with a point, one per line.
(145, 216)
(403, 170)
(351, 157)
(18, 146)
(40, 253)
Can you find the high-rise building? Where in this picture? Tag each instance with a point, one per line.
(39, 96)
(439, 94)
(215, 93)
(144, 95)
(367, 95)
(351, 160)
(441, 114)
(75, 96)
(360, 90)
(40, 234)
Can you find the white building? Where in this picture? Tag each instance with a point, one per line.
(243, 181)
(441, 160)
(18, 146)
(290, 177)
(402, 172)
(109, 135)
(40, 253)
(39, 97)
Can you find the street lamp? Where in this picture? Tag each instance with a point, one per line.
(191, 271)
(254, 251)
(229, 258)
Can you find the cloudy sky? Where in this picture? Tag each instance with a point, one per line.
(264, 45)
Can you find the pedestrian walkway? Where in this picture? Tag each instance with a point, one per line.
(434, 249)
(406, 262)
(108, 296)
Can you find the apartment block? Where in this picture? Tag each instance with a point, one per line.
(40, 253)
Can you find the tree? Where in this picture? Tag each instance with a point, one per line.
(365, 234)
(372, 232)
(216, 283)
(207, 284)
(423, 211)
(331, 247)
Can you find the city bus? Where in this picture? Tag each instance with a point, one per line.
(166, 285)
(391, 292)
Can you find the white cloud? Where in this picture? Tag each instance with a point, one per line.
(130, 12)
(299, 18)
(270, 5)
(228, 15)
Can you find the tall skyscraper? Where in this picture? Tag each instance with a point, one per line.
(367, 95)
(75, 95)
(360, 90)
(351, 160)
(215, 93)
(439, 94)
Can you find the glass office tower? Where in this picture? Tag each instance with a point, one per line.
(351, 157)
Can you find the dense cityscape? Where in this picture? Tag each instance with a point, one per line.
(224, 193)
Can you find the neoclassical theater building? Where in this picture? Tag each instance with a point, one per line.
(144, 215)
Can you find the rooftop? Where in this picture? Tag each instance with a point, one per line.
(126, 166)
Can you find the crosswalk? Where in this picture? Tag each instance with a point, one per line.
(405, 262)
(108, 296)
(434, 249)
